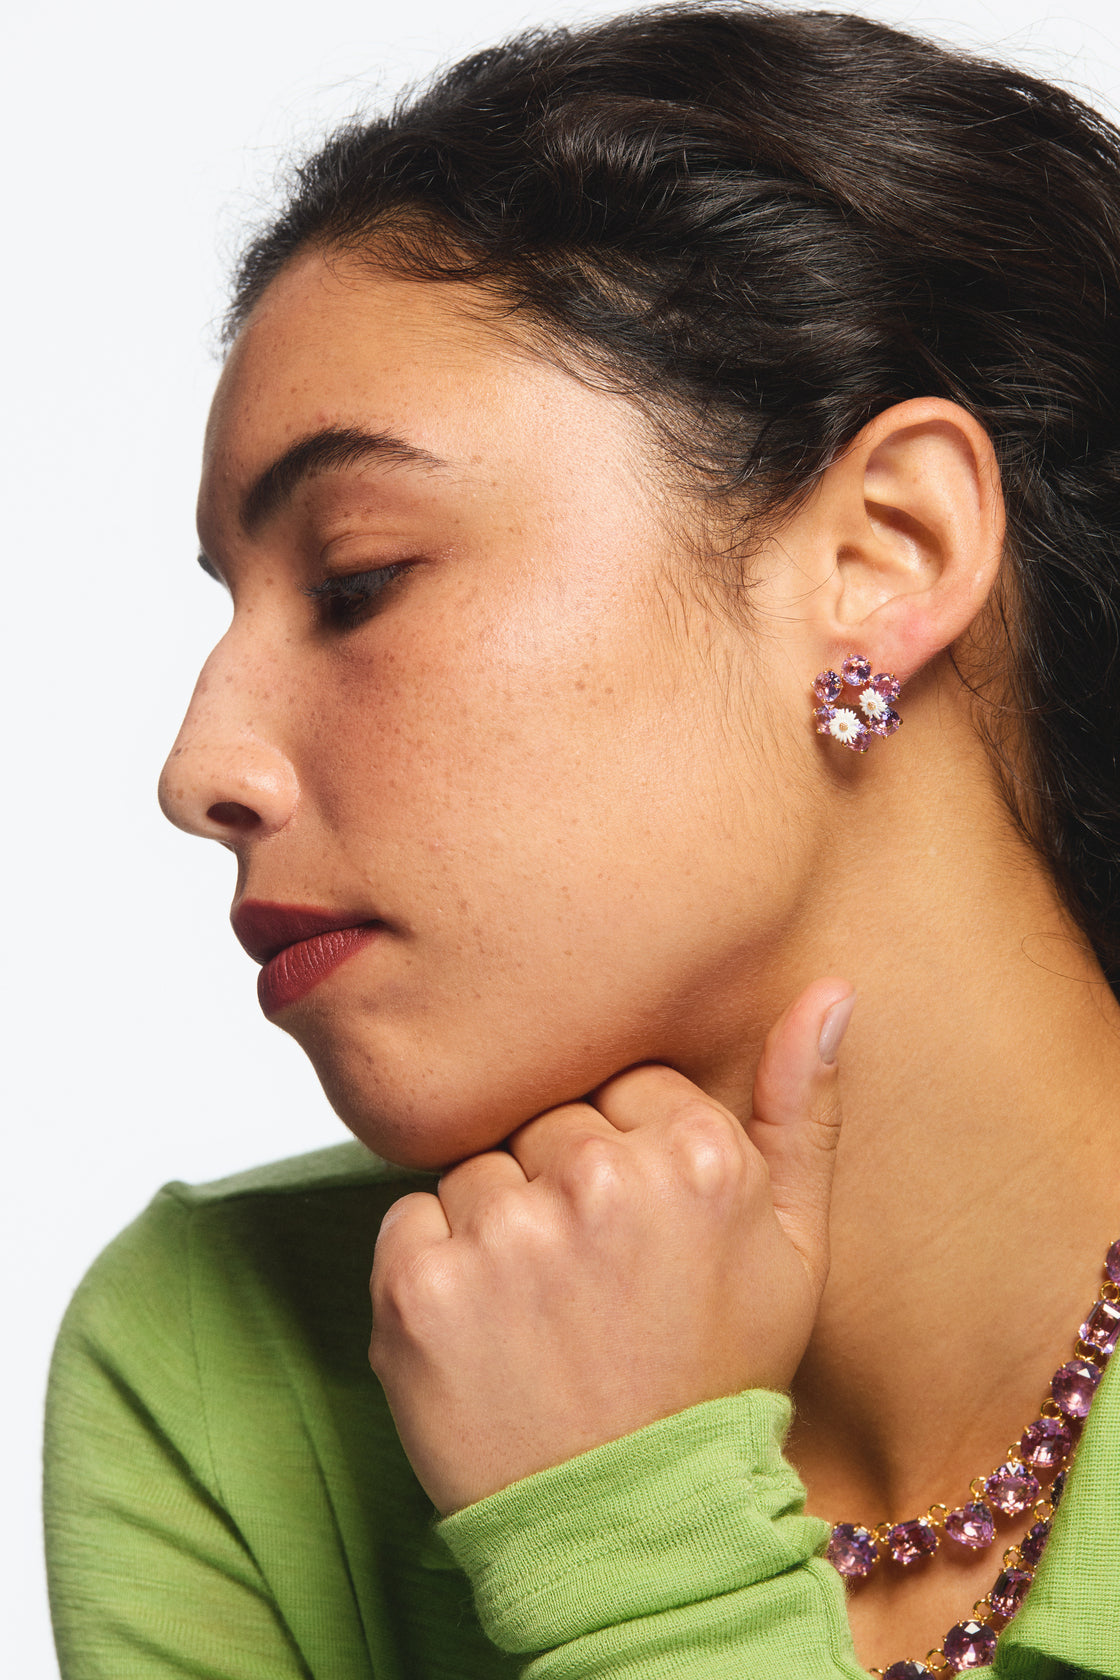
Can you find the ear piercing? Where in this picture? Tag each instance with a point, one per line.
(873, 699)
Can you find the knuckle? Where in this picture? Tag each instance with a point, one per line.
(592, 1170)
(398, 1222)
(410, 1293)
(707, 1155)
(502, 1218)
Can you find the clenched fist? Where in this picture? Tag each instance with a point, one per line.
(620, 1260)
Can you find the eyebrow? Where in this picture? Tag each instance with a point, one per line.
(333, 447)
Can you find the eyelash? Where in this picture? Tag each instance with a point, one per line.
(345, 602)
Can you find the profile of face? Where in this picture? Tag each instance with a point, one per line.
(477, 700)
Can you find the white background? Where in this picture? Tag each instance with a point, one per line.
(138, 139)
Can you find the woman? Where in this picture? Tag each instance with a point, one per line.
(604, 440)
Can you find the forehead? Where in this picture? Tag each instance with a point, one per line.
(335, 343)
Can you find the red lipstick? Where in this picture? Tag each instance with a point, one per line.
(297, 945)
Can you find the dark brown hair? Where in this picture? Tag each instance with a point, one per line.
(768, 227)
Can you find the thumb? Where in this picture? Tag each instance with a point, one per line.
(795, 1119)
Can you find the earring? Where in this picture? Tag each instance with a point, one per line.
(844, 723)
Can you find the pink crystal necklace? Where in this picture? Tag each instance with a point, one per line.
(1013, 1488)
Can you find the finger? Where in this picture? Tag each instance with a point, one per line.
(412, 1222)
(541, 1144)
(468, 1191)
(701, 1143)
(585, 1150)
(795, 1122)
(412, 1228)
(648, 1095)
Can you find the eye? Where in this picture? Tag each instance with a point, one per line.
(344, 602)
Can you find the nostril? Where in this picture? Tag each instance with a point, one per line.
(231, 815)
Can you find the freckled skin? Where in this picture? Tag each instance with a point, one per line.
(590, 805)
(522, 761)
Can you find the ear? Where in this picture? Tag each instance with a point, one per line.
(908, 533)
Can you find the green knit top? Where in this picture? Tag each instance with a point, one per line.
(227, 1499)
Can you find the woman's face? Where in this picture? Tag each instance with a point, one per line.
(550, 781)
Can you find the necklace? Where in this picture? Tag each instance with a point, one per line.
(1014, 1487)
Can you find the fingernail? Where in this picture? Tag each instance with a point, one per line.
(834, 1027)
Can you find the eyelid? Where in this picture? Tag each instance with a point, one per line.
(348, 599)
(342, 582)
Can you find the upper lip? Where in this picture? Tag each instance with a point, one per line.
(267, 929)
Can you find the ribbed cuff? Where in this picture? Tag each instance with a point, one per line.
(689, 1508)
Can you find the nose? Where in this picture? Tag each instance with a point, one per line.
(226, 778)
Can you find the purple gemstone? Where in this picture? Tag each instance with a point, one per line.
(852, 1550)
(1012, 1489)
(824, 716)
(969, 1645)
(827, 687)
(906, 1671)
(973, 1526)
(1102, 1327)
(1073, 1387)
(910, 1541)
(1009, 1592)
(856, 670)
(1112, 1261)
(1058, 1487)
(1033, 1543)
(1046, 1443)
(886, 685)
(887, 724)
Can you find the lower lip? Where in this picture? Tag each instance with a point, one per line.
(295, 970)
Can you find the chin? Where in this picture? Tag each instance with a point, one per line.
(410, 1114)
(424, 1106)
(413, 1127)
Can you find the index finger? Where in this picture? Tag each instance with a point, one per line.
(540, 1144)
(649, 1093)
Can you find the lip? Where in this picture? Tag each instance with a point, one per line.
(298, 945)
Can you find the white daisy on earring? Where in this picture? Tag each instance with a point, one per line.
(844, 723)
(845, 726)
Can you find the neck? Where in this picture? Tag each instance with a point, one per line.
(978, 1182)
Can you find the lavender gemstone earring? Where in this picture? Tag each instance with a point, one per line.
(844, 723)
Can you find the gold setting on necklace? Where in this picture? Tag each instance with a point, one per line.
(1013, 1489)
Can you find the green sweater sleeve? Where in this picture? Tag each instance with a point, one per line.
(679, 1551)
(227, 1497)
(149, 1575)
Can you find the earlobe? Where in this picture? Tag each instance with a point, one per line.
(919, 526)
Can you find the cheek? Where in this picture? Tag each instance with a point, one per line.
(478, 722)
(508, 782)
(583, 852)
(550, 828)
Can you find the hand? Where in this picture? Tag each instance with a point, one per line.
(621, 1260)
